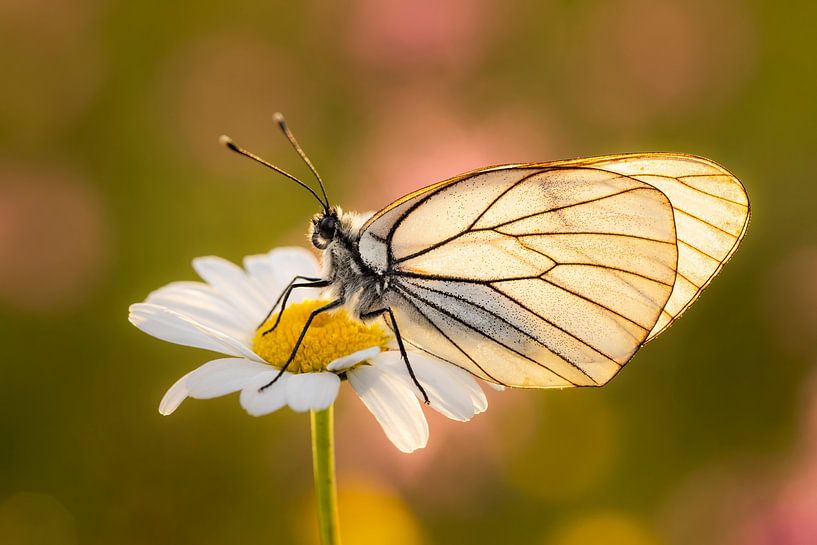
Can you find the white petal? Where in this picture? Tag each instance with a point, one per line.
(259, 403)
(213, 379)
(203, 304)
(451, 391)
(312, 391)
(232, 283)
(168, 326)
(173, 327)
(274, 271)
(222, 377)
(393, 405)
(259, 269)
(293, 260)
(174, 396)
(341, 364)
(497, 387)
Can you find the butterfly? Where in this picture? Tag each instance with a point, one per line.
(535, 275)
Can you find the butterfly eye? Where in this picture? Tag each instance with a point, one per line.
(327, 226)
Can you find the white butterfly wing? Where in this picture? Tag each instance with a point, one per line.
(554, 274)
(541, 275)
(711, 216)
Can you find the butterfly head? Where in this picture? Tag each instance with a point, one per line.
(323, 229)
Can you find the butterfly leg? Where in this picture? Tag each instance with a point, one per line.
(309, 282)
(329, 306)
(403, 353)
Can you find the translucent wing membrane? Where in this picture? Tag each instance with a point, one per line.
(554, 274)
(711, 215)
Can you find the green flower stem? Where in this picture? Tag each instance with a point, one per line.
(323, 467)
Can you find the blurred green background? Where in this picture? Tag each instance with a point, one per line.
(111, 180)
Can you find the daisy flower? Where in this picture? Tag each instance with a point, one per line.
(226, 313)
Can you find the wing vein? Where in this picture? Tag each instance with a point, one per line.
(712, 225)
(696, 249)
(527, 216)
(505, 192)
(407, 297)
(425, 276)
(687, 279)
(693, 188)
(569, 334)
(497, 341)
(593, 233)
(600, 266)
(469, 229)
(566, 206)
(580, 296)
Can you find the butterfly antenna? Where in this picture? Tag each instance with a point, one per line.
(227, 141)
(282, 124)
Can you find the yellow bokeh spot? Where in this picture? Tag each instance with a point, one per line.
(371, 513)
(331, 335)
(605, 527)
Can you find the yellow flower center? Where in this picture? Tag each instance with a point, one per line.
(331, 335)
